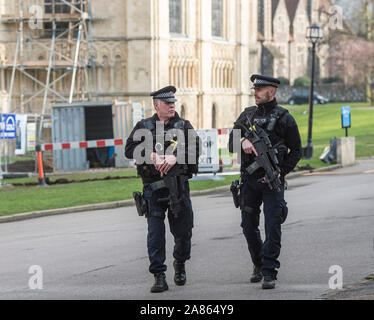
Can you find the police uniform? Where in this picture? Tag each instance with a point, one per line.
(157, 195)
(284, 135)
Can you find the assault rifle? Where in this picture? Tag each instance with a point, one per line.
(267, 154)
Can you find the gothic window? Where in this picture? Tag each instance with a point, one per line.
(175, 16)
(214, 116)
(61, 27)
(281, 24)
(183, 112)
(261, 14)
(106, 78)
(56, 6)
(119, 71)
(309, 9)
(217, 18)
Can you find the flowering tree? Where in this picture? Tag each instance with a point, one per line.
(352, 49)
(351, 58)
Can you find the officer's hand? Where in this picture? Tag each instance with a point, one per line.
(248, 147)
(263, 180)
(157, 160)
(170, 161)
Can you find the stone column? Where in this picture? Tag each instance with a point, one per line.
(139, 26)
(3, 101)
(160, 44)
(345, 151)
(204, 36)
(242, 67)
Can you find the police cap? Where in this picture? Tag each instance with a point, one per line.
(166, 94)
(263, 81)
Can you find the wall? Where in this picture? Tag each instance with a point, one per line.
(333, 92)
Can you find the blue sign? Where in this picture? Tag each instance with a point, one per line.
(8, 126)
(346, 117)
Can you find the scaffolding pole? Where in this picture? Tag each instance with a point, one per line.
(77, 35)
(75, 64)
(47, 84)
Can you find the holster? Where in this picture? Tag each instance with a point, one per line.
(141, 204)
(235, 186)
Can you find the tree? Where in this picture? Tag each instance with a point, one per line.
(352, 52)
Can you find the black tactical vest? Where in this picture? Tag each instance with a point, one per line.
(273, 126)
(148, 171)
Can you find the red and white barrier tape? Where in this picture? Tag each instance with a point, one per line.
(224, 131)
(82, 144)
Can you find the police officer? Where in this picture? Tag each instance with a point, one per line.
(284, 136)
(158, 196)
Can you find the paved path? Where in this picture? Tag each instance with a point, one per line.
(102, 254)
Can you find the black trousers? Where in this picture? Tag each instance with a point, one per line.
(253, 194)
(180, 227)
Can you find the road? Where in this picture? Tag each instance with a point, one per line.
(102, 254)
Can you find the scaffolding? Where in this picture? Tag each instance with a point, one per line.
(53, 55)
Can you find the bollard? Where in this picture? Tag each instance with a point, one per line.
(39, 156)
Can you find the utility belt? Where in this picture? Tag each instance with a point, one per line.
(176, 199)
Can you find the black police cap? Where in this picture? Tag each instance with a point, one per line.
(166, 94)
(263, 81)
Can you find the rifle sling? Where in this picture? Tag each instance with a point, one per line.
(156, 185)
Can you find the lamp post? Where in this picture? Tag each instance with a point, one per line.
(314, 33)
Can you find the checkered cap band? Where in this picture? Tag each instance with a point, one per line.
(265, 82)
(164, 95)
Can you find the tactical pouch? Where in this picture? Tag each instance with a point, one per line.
(284, 211)
(141, 204)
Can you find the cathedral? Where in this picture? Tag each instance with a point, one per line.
(206, 48)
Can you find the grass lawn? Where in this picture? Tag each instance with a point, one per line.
(26, 199)
(326, 125)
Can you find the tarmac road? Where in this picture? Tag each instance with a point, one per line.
(102, 254)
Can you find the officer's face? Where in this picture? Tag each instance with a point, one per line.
(165, 110)
(264, 94)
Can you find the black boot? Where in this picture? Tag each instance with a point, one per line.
(269, 282)
(256, 275)
(160, 284)
(180, 273)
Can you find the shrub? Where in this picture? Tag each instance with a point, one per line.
(284, 81)
(331, 80)
(302, 82)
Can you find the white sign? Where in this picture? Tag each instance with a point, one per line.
(137, 113)
(31, 132)
(209, 158)
(21, 130)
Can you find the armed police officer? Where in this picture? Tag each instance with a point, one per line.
(276, 133)
(165, 164)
